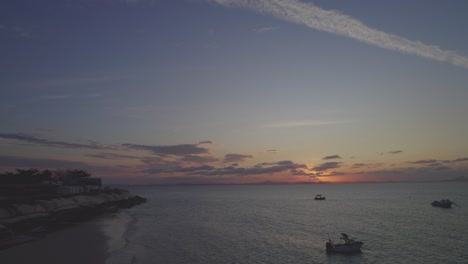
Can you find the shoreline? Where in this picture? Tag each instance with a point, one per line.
(63, 229)
(120, 248)
(115, 227)
(84, 242)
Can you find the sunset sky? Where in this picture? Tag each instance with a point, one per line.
(235, 91)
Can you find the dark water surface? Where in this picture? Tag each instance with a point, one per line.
(284, 224)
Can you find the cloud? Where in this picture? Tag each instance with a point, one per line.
(231, 174)
(156, 161)
(262, 168)
(332, 157)
(304, 123)
(177, 150)
(206, 142)
(460, 160)
(199, 159)
(59, 144)
(172, 170)
(366, 165)
(341, 24)
(442, 168)
(433, 161)
(337, 173)
(24, 162)
(111, 156)
(228, 158)
(269, 151)
(194, 169)
(327, 166)
(210, 171)
(416, 174)
(283, 163)
(304, 173)
(394, 152)
(428, 161)
(358, 165)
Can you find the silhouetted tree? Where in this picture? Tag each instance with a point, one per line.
(79, 173)
(69, 176)
(35, 176)
(46, 176)
(29, 175)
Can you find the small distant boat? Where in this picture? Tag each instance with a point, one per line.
(349, 245)
(319, 197)
(444, 203)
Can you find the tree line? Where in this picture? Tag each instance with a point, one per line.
(35, 176)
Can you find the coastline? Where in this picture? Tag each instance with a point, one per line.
(81, 243)
(64, 228)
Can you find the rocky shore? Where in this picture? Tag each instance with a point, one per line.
(23, 220)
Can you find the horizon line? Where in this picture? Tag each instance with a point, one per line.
(464, 179)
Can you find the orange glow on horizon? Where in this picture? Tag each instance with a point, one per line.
(330, 179)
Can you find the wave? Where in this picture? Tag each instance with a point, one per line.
(117, 227)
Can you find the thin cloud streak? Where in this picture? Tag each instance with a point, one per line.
(26, 162)
(327, 165)
(332, 157)
(338, 23)
(31, 139)
(177, 150)
(231, 158)
(304, 123)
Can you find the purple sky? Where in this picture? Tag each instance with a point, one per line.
(235, 91)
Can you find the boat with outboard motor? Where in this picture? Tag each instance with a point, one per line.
(349, 245)
(444, 203)
(319, 197)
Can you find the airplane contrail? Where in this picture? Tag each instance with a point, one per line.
(338, 23)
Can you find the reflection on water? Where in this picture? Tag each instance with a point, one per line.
(284, 224)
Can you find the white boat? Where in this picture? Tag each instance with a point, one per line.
(349, 245)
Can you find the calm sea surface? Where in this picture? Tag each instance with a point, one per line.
(284, 224)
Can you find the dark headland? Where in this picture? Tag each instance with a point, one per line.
(34, 204)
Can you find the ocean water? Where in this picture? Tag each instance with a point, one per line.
(284, 224)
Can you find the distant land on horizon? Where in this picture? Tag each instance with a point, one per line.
(457, 179)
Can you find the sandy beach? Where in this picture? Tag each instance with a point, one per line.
(82, 243)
